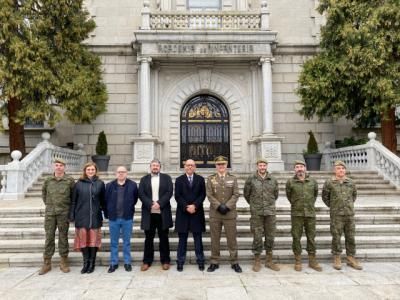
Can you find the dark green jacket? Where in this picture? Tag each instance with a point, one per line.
(340, 196)
(302, 196)
(261, 194)
(57, 194)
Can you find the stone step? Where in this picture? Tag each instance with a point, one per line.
(35, 222)
(243, 231)
(242, 208)
(37, 189)
(244, 243)
(24, 259)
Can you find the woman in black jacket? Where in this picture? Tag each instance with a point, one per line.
(86, 211)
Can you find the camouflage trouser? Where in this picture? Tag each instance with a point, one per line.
(263, 226)
(308, 223)
(51, 222)
(346, 224)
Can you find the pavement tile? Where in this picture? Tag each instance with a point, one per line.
(231, 293)
(353, 292)
(319, 279)
(259, 279)
(364, 278)
(389, 292)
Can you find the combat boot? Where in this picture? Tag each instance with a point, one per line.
(270, 264)
(297, 264)
(46, 266)
(64, 266)
(257, 263)
(337, 263)
(352, 262)
(313, 264)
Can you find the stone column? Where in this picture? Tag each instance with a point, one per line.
(268, 122)
(144, 103)
(144, 145)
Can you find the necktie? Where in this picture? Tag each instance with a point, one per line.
(190, 180)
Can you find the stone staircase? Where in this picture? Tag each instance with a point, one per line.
(377, 221)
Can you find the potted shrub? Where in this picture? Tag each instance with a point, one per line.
(101, 159)
(311, 155)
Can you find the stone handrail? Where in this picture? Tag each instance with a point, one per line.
(205, 20)
(19, 175)
(371, 156)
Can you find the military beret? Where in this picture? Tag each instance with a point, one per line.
(340, 163)
(221, 160)
(299, 162)
(59, 161)
(262, 160)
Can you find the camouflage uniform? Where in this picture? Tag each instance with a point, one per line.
(56, 193)
(223, 190)
(339, 197)
(302, 196)
(261, 194)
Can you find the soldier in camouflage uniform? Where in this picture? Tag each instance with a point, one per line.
(223, 192)
(261, 191)
(339, 194)
(56, 193)
(302, 192)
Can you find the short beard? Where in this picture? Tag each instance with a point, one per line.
(300, 173)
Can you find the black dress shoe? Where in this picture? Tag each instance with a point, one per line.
(212, 267)
(237, 268)
(201, 267)
(128, 267)
(179, 267)
(112, 268)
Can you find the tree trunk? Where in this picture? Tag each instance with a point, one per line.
(16, 131)
(388, 130)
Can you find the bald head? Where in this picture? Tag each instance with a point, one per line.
(122, 174)
(190, 167)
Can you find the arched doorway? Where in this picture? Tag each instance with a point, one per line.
(204, 130)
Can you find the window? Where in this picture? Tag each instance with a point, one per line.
(204, 4)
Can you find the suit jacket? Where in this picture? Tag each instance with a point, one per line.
(165, 193)
(185, 195)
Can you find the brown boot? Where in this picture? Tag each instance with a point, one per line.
(337, 263)
(270, 264)
(352, 262)
(64, 266)
(313, 264)
(46, 266)
(297, 264)
(257, 263)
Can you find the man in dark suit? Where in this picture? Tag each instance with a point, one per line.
(155, 192)
(190, 192)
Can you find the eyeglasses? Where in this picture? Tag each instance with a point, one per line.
(122, 172)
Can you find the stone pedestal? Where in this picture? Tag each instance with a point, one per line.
(269, 147)
(144, 150)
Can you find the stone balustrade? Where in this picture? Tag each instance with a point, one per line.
(19, 175)
(371, 156)
(218, 20)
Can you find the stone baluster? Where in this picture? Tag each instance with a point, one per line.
(266, 68)
(264, 15)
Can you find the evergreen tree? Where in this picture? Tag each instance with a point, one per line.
(46, 72)
(356, 74)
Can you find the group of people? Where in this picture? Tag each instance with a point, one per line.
(87, 201)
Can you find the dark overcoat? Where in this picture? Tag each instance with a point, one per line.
(186, 195)
(165, 193)
(87, 203)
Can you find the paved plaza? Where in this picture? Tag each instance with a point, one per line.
(376, 281)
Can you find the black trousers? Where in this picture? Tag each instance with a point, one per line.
(182, 246)
(156, 224)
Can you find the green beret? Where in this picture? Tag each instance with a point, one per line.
(299, 162)
(262, 160)
(59, 161)
(340, 163)
(221, 160)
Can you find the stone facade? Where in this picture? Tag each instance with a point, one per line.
(253, 72)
